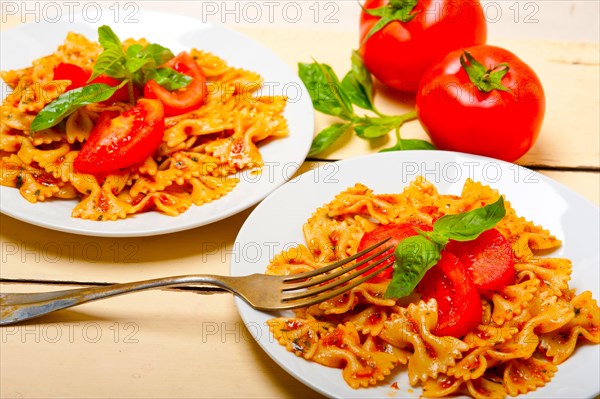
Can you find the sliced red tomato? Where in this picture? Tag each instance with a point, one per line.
(459, 303)
(79, 77)
(181, 101)
(122, 141)
(489, 260)
(396, 233)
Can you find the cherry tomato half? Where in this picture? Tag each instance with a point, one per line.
(122, 141)
(79, 77)
(184, 100)
(395, 233)
(459, 303)
(400, 53)
(458, 116)
(489, 260)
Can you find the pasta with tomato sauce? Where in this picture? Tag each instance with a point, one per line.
(525, 330)
(198, 149)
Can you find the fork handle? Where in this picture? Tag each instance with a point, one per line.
(19, 307)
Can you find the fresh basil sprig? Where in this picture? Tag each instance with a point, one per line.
(136, 66)
(358, 83)
(67, 103)
(415, 255)
(335, 98)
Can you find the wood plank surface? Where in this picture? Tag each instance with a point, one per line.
(158, 344)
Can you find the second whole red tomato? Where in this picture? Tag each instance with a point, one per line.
(426, 30)
(482, 100)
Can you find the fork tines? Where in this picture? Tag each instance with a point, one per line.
(302, 290)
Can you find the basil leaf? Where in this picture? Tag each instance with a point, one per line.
(414, 256)
(358, 83)
(468, 225)
(108, 39)
(327, 137)
(325, 90)
(410, 144)
(152, 56)
(67, 103)
(356, 92)
(136, 59)
(169, 78)
(362, 74)
(134, 51)
(158, 53)
(135, 64)
(110, 62)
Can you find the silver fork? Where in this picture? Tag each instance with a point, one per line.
(261, 291)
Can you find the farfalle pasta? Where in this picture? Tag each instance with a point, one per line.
(200, 152)
(526, 329)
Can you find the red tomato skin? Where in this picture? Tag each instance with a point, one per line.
(489, 260)
(182, 101)
(396, 233)
(79, 77)
(400, 53)
(459, 117)
(459, 303)
(122, 141)
(121, 95)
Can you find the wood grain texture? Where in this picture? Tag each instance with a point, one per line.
(157, 344)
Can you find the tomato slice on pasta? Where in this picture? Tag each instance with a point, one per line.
(122, 141)
(184, 100)
(489, 260)
(395, 233)
(459, 303)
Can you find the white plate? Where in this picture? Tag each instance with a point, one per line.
(276, 224)
(282, 157)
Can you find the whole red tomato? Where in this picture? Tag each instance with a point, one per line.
(496, 112)
(400, 53)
